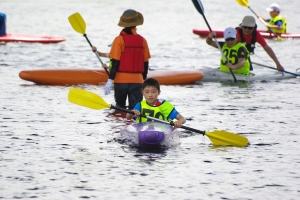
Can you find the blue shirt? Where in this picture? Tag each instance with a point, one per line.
(278, 23)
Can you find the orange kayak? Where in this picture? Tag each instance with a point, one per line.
(95, 77)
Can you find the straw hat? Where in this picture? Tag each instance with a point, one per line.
(131, 18)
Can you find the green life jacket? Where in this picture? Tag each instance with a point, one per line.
(160, 111)
(273, 22)
(232, 56)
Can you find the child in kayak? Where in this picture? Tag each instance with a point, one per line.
(154, 107)
(237, 55)
(276, 23)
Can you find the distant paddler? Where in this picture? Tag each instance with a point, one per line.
(236, 53)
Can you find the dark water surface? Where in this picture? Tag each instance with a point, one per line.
(52, 149)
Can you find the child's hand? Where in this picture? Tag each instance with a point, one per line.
(136, 113)
(105, 66)
(94, 49)
(177, 124)
(229, 65)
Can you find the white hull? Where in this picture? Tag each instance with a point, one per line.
(215, 75)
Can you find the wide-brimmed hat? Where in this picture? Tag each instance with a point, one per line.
(229, 33)
(131, 18)
(248, 21)
(273, 7)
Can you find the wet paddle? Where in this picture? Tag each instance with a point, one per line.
(245, 3)
(200, 9)
(79, 26)
(91, 100)
(275, 69)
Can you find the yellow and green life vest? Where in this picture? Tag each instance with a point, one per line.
(161, 111)
(231, 53)
(273, 22)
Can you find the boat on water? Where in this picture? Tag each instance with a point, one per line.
(268, 35)
(66, 77)
(215, 75)
(151, 135)
(19, 37)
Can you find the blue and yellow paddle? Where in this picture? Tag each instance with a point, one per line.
(91, 100)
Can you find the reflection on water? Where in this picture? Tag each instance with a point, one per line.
(239, 84)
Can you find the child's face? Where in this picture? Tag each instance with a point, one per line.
(274, 13)
(150, 93)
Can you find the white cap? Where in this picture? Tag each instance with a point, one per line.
(273, 7)
(229, 33)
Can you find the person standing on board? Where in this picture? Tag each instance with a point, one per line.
(2, 24)
(154, 107)
(236, 53)
(276, 23)
(248, 34)
(130, 61)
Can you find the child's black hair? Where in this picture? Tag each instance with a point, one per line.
(151, 82)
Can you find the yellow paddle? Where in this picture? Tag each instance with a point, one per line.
(91, 100)
(245, 3)
(79, 26)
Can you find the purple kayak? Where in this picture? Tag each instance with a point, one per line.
(151, 134)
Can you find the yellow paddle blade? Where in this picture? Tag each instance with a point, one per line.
(243, 2)
(224, 138)
(77, 23)
(279, 38)
(87, 99)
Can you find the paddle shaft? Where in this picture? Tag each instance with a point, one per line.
(199, 8)
(158, 120)
(275, 69)
(87, 39)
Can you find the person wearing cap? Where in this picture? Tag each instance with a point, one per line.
(2, 24)
(236, 53)
(276, 23)
(130, 61)
(247, 33)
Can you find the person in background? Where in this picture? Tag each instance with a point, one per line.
(2, 24)
(276, 23)
(130, 61)
(247, 33)
(154, 107)
(236, 53)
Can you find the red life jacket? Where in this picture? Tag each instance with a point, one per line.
(132, 59)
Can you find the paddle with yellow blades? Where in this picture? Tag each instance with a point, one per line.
(91, 100)
(198, 5)
(245, 3)
(79, 26)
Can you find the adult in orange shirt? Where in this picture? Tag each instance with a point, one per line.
(130, 61)
(247, 33)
